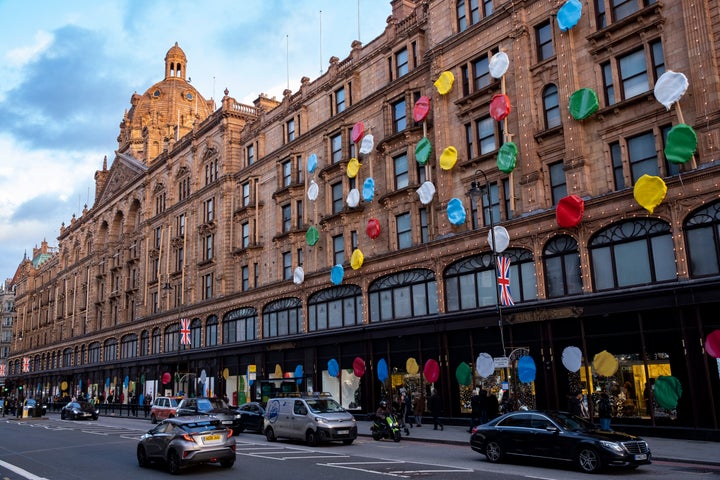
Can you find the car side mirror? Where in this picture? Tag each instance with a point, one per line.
(551, 428)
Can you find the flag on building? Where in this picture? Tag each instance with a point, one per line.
(185, 331)
(503, 267)
(26, 364)
(3, 371)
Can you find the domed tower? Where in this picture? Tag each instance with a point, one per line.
(164, 113)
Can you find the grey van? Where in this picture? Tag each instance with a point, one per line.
(310, 418)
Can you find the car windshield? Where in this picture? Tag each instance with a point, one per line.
(206, 404)
(84, 405)
(324, 406)
(572, 423)
(174, 402)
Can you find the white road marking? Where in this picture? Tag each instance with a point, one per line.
(20, 471)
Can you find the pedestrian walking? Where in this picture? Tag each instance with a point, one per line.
(436, 408)
(475, 408)
(419, 408)
(491, 405)
(604, 412)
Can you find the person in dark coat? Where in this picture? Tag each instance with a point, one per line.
(604, 411)
(491, 405)
(478, 403)
(436, 408)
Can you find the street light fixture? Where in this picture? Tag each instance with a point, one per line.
(476, 193)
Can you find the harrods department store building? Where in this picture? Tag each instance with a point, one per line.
(206, 213)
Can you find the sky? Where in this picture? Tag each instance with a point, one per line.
(68, 70)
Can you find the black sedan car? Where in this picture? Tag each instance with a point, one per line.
(79, 411)
(215, 407)
(183, 441)
(558, 436)
(253, 414)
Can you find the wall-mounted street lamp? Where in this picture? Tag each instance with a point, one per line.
(476, 194)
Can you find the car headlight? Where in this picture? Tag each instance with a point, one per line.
(613, 446)
(321, 420)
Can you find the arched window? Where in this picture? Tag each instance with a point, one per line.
(634, 252)
(283, 317)
(211, 331)
(144, 343)
(156, 341)
(110, 350)
(551, 106)
(94, 353)
(128, 346)
(702, 241)
(240, 325)
(563, 275)
(171, 337)
(471, 282)
(335, 307)
(195, 333)
(67, 357)
(411, 293)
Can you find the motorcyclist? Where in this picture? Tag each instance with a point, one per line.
(383, 411)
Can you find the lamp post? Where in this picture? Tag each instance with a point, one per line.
(476, 193)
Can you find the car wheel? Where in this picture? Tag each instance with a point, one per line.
(348, 441)
(376, 435)
(227, 463)
(493, 452)
(270, 435)
(142, 457)
(153, 419)
(311, 438)
(173, 462)
(397, 436)
(588, 460)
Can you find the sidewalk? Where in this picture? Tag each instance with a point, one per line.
(665, 449)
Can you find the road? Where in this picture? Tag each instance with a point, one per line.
(57, 449)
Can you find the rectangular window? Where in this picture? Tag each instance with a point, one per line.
(558, 183)
(507, 198)
(400, 168)
(469, 138)
(494, 206)
(608, 84)
(636, 72)
(250, 154)
(209, 210)
(461, 16)
(299, 169)
(543, 38)
(481, 73)
(486, 135)
(401, 63)
(474, 11)
(337, 197)
(245, 234)
(617, 165)
(208, 244)
(299, 214)
(404, 232)
(287, 265)
(465, 80)
(256, 274)
(158, 236)
(338, 250)
(179, 260)
(184, 188)
(290, 130)
(336, 148)
(340, 100)
(633, 74)
(286, 218)
(424, 230)
(300, 258)
(245, 276)
(354, 239)
(487, 7)
(399, 114)
(207, 282)
(286, 173)
(642, 156)
(246, 194)
(180, 225)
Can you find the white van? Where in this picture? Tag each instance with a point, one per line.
(313, 418)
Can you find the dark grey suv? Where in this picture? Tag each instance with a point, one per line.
(215, 407)
(183, 441)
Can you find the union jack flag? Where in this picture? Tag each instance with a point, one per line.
(503, 268)
(185, 331)
(26, 364)
(3, 370)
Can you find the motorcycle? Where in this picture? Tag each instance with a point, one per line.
(386, 428)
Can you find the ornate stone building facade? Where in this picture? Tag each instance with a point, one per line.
(210, 215)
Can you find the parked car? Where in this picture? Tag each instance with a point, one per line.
(211, 406)
(164, 407)
(252, 416)
(183, 441)
(558, 436)
(79, 410)
(313, 418)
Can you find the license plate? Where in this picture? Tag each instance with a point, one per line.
(642, 456)
(212, 438)
(227, 422)
(343, 432)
